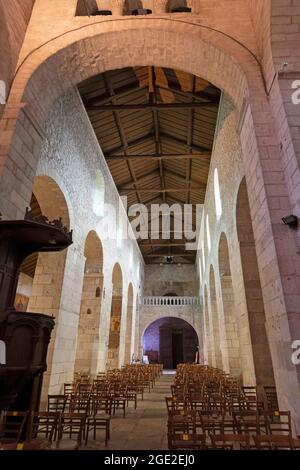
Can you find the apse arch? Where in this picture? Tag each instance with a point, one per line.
(170, 341)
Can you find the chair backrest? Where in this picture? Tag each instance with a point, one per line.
(72, 425)
(43, 424)
(57, 403)
(231, 441)
(279, 422)
(12, 424)
(101, 404)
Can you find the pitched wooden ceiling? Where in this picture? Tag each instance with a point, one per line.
(156, 129)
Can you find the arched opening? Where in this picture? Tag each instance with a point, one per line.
(129, 328)
(215, 320)
(256, 312)
(115, 318)
(170, 341)
(208, 336)
(48, 271)
(231, 350)
(90, 308)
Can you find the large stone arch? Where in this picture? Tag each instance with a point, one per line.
(51, 69)
(191, 338)
(89, 337)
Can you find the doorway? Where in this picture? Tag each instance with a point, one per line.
(177, 348)
(170, 341)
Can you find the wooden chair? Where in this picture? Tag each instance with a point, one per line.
(43, 428)
(230, 441)
(73, 426)
(57, 403)
(187, 441)
(100, 418)
(273, 442)
(11, 426)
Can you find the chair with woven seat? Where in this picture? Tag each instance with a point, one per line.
(71, 425)
(274, 442)
(230, 441)
(43, 428)
(57, 403)
(187, 441)
(100, 418)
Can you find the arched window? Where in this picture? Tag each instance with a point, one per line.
(98, 292)
(208, 233)
(99, 193)
(218, 201)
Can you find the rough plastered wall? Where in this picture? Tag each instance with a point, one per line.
(70, 156)
(170, 279)
(227, 159)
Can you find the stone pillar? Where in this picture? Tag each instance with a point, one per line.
(194, 5)
(57, 291)
(104, 327)
(160, 6)
(117, 7)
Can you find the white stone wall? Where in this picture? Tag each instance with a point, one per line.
(71, 155)
(227, 158)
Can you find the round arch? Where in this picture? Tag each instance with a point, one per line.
(163, 43)
(88, 339)
(170, 340)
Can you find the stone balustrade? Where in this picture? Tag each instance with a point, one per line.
(170, 301)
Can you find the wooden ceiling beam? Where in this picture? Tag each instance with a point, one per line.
(118, 93)
(202, 95)
(173, 255)
(131, 144)
(151, 106)
(175, 140)
(158, 157)
(131, 189)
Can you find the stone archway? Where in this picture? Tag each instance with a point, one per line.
(253, 290)
(170, 341)
(51, 69)
(90, 309)
(48, 295)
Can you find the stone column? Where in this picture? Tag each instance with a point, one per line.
(194, 5)
(160, 6)
(117, 7)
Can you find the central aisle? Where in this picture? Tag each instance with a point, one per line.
(144, 428)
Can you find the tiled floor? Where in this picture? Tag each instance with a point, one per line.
(143, 428)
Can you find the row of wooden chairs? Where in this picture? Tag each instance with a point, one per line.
(50, 430)
(211, 410)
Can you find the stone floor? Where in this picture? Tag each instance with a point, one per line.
(143, 428)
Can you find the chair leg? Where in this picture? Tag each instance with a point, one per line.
(87, 434)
